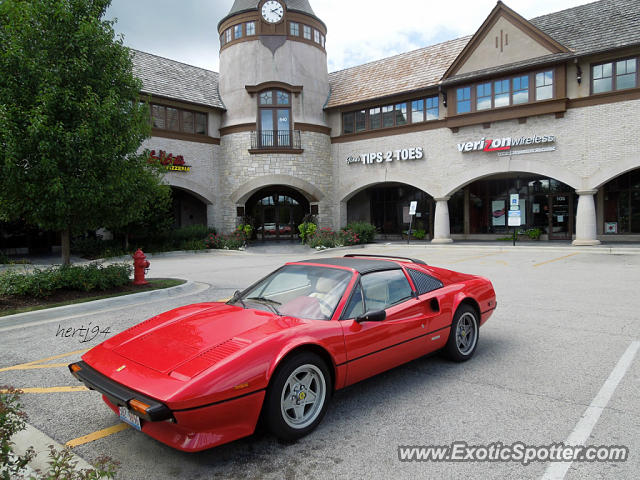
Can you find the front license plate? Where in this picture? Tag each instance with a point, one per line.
(128, 417)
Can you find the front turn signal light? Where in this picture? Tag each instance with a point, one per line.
(139, 406)
(75, 367)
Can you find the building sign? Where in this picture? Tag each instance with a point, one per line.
(170, 162)
(515, 218)
(413, 153)
(505, 146)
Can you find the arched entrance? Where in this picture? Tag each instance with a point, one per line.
(187, 208)
(545, 203)
(386, 205)
(621, 204)
(275, 212)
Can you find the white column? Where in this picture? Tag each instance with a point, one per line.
(441, 226)
(586, 220)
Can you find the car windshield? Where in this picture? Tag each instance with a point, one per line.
(299, 291)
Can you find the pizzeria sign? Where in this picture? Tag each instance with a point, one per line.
(173, 163)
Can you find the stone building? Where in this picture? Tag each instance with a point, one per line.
(535, 116)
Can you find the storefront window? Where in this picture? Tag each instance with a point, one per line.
(545, 203)
(622, 204)
(387, 207)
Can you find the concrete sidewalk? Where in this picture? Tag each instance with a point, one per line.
(626, 248)
(47, 315)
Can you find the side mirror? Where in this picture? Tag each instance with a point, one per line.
(373, 316)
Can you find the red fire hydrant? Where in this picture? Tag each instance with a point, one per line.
(140, 266)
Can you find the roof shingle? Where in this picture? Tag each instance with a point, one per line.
(167, 78)
(594, 27)
(406, 72)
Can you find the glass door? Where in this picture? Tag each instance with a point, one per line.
(561, 218)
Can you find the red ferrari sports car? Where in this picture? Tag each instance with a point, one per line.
(202, 375)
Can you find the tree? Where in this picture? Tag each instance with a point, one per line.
(71, 123)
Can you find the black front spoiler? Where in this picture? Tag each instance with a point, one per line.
(118, 394)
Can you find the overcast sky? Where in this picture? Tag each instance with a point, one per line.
(359, 31)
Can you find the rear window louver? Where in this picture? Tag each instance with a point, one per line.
(424, 283)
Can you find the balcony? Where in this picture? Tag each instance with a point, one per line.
(276, 141)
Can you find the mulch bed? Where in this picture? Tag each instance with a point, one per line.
(62, 296)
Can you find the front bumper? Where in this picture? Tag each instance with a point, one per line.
(118, 394)
(189, 430)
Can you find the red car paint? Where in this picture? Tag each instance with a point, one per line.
(211, 363)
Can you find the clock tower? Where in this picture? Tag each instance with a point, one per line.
(274, 134)
(273, 41)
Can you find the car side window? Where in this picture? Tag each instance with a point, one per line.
(355, 307)
(384, 289)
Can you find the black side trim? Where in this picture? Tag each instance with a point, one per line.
(221, 401)
(490, 310)
(119, 394)
(414, 260)
(393, 346)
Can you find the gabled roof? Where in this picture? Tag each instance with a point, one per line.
(500, 11)
(167, 78)
(406, 72)
(586, 29)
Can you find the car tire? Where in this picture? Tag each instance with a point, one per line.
(464, 334)
(298, 396)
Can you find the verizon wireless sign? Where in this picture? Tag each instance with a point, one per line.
(505, 146)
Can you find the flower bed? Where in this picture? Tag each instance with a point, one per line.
(327, 238)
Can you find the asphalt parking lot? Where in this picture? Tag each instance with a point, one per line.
(556, 361)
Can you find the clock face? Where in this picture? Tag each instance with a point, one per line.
(272, 11)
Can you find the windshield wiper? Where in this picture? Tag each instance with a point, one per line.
(237, 298)
(268, 302)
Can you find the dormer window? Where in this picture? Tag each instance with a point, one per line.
(617, 75)
(505, 92)
(544, 85)
(463, 96)
(521, 89)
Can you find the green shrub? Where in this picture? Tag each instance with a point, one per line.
(307, 230)
(191, 232)
(365, 231)
(348, 237)
(233, 241)
(61, 464)
(191, 237)
(3, 259)
(92, 247)
(419, 234)
(43, 283)
(534, 233)
(193, 245)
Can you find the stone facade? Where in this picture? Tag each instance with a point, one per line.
(594, 141)
(242, 174)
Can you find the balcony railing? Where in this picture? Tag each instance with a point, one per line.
(276, 140)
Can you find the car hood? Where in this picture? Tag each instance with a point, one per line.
(186, 341)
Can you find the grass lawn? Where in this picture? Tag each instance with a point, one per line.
(12, 305)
